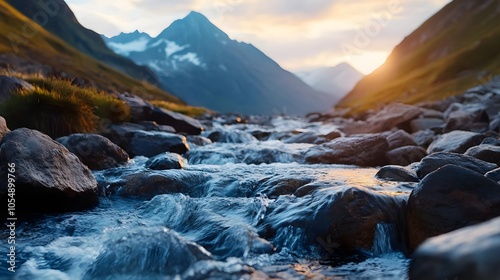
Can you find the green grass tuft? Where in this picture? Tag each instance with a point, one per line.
(180, 108)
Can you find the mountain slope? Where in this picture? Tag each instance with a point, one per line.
(336, 81)
(452, 51)
(202, 65)
(41, 46)
(60, 20)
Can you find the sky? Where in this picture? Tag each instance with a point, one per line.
(299, 35)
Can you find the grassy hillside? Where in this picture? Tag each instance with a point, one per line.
(451, 52)
(26, 39)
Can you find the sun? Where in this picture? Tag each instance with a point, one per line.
(368, 61)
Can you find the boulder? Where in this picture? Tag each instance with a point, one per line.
(424, 138)
(3, 127)
(165, 161)
(148, 144)
(468, 253)
(9, 85)
(198, 140)
(450, 198)
(146, 253)
(140, 110)
(397, 174)
(455, 142)
(399, 139)
(488, 153)
(392, 116)
(336, 219)
(356, 150)
(180, 122)
(427, 123)
(47, 176)
(493, 175)
(435, 161)
(469, 117)
(230, 136)
(405, 155)
(95, 151)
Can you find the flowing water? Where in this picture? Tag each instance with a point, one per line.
(218, 226)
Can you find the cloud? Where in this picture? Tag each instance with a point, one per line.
(296, 33)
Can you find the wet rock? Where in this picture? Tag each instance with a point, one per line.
(392, 116)
(180, 122)
(455, 142)
(405, 155)
(47, 176)
(148, 184)
(470, 117)
(488, 153)
(424, 138)
(448, 199)
(399, 139)
(308, 137)
(491, 141)
(95, 151)
(427, 123)
(3, 127)
(493, 175)
(140, 110)
(165, 161)
(467, 253)
(146, 253)
(355, 150)
(153, 126)
(261, 135)
(226, 136)
(198, 140)
(281, 185)
(9, 85)
(149, 143)
(335, 220)
(397, 174)
(435, 161)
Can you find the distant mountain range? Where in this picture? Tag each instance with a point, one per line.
(336, 81)
(455, 49)
(64, 45)
(200, 63)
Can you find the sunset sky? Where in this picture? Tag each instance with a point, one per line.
(297, 34)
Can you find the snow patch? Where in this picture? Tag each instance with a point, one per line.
(191, 57)
(172, 48)
(139, 45)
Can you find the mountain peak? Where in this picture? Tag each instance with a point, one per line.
(195, 16)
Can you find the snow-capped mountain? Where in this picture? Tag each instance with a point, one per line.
(336, 81)
(200, 63)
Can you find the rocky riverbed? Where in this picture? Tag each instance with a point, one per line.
(403, 189)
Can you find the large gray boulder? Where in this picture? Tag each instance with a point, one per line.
(95, 151)
(455, 142)
(356, 150)
(467, 253)
(47, 176)
(448, 199)
(437, 160)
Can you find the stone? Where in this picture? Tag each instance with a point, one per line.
(3, 127)
(227, 136)
(424, 138)
(397, 173)
(48, 178)
(180, 122)
(165, 161)
(95, 151)
(469, 117)
(335, 220)
(435, 161)
(427, 123)
(356, 150)
(450, 198)
(405, 155)
(10, 85)
(488, 153)
(468, 253)
(148, 144)
(455, 142)
(491, 141)
(198, 140)
(493, 175)
(400, 138)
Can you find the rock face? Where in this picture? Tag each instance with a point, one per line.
(3, 127)
(95, 151)
(48, 176)
(468, 253)
(448, 199)
(437, 160)
(165, 161)
(10, 84)
(455, 142)
(336, 220)
(146, 253)
(356, 150)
